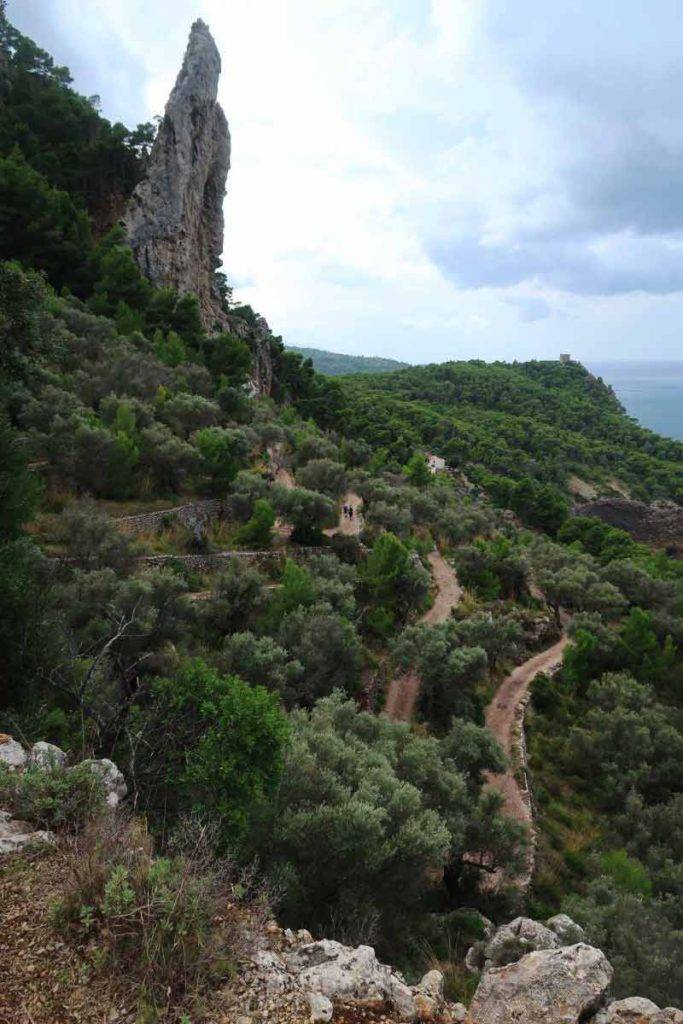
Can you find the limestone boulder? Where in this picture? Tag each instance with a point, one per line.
(567, 931)
(634, 1010)
(431, 985)
(344, 972)
(19, 835)
(46, 756)
(115, 788)
(548, 986)
(514, 940)
(12, 754)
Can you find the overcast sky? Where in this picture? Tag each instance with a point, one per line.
(428, 180)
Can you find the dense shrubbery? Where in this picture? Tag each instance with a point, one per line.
(365, 810)
(174, 924)
(611, 725)
(55, 798)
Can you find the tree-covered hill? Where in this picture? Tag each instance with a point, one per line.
(335, 364)
(542, 420)
(234, 661)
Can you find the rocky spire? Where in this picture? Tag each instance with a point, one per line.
(174, 221)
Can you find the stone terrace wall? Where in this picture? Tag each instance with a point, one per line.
(217, 560)
(188, 515)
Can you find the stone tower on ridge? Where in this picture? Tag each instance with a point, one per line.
(174, 220)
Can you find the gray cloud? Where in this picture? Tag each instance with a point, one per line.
(605, 80)
(617, 265)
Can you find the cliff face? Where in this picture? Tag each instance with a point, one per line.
(660, 522)
(174, 220)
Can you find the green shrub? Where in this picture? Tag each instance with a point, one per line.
(172, 923)
(64, 799)
(259, 529)
(627, 874)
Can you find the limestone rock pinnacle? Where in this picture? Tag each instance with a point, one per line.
(174, 221)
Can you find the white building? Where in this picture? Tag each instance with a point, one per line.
(435, 463)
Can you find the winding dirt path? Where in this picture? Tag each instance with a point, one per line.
(448, 590)
(502, 715)
(505, 719)
(404, 690)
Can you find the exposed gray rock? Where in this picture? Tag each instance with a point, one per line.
(273, 974)
(112, 779)
(12, 754)
(18, 835)
(431, 984)
(321, 1008)
(549, 986)
(174, 221)
(47, 756)
(475, 958)
(567, 931)
(514, 940)
(344, 972)
(336, 972)
(634, 1010)
(669, 1015)
(659, 521)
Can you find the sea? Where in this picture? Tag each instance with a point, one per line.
(650, 391)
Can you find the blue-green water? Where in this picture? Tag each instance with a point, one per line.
(650, 391)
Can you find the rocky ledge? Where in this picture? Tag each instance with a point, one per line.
(660, 522)
(530, 973)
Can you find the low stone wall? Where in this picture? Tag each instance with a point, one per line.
(188, 515)
(520, 766)
(219, 559)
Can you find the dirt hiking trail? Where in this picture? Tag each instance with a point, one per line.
(404, 690)
(350, 526)
(504, 718)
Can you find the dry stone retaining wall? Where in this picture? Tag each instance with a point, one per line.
(211, 508)
(217, 560)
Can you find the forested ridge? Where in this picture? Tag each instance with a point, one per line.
(335, 364)
(539, 419)
(216, 590)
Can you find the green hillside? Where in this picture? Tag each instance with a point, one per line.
(289, 634)
(335, 364)
(537, 420)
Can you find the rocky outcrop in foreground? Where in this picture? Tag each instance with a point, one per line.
(660, 522)
(174, 221)
(17, 835)
(531, 973)
(528, 972)
(326, 974)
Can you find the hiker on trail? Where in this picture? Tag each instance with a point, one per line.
(345, 509)
(350, 511)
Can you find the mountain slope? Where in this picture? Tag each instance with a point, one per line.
(542, 420)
